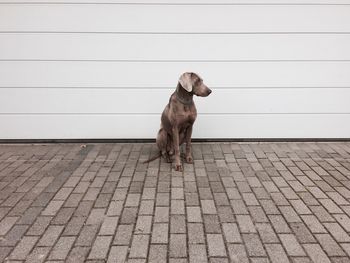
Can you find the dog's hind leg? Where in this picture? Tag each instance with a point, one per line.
(162, 143)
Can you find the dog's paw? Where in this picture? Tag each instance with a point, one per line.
(178, 167)
(189, 159)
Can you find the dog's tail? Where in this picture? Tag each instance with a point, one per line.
(153, 158)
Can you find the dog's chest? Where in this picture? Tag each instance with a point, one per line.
(187, 115)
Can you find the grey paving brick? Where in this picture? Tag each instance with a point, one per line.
(52, 208)
(216, 245)
(177, 207)
(100, 247)
(225, 214)
(266, 232)
(139, 246)
(38, 254)
(117, 254)
(197, 253)
(253, 245)
(78, 254)
(208, 207)
(123, 235)
(195, 233)
(291, 245)
(146, 207)
(231, 233)
(276, 253)
(39, 226)
(300, 207)
(13, 236)
(177, 245)
(143, 225)
(178, 224)
(50, 236)
(316, 253)
(279, 224)
(344, 221)
(158, 253)
(160, 233)
(109, 226)
(329, 245)
(62, 248)
(246, 224)
(289, 214)
(237, 253)
(211, 224)
(22, 250)
(161, 214)
(337, 232)
(194, 214)
(6, 224)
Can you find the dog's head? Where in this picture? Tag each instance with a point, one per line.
(192, 83)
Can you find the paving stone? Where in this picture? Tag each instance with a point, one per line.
(337, 232)
(22, 250)
(291, 245)
(208, 207)
(177, 245)
(158, 253)
(6, 224)
(178, 224)
(266, 232)
(177, 207)
(62, 248)
(225, 214)
(237, 253)
(329, 245)
(139, 246)
(109, 226)
(161, 214)
(197, 253)
(78, 254)
(117, 254)
(316, 253)
(253, 245)
(160, 233)
(194, 214)
(276, 253)
(216, 246)
(231, 233)
(211, 224)
(279, 224)
(100, 247)
(195, 233)
(272, 201)
(246, 224)
(123, 235)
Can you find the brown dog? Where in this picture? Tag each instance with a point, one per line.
(178, 118)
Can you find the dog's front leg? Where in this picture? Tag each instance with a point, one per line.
(178, 166)
(189, 158)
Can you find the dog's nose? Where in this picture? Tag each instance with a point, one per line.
(209, 91)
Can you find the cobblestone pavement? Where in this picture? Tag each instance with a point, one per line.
(238, 202)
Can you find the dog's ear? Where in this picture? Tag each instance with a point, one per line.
(186, 81)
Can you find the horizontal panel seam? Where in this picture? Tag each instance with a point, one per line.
(199, 113)
(170, 88)
(176, 33)
(172, 4)
(174, 61)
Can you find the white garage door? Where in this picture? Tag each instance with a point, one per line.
(86, 69)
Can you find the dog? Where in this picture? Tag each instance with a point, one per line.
(178, 118)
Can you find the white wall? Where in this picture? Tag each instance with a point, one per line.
(84, 69)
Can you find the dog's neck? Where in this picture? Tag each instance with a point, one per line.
(183, 95)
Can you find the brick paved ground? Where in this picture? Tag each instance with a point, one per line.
(239, 202)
